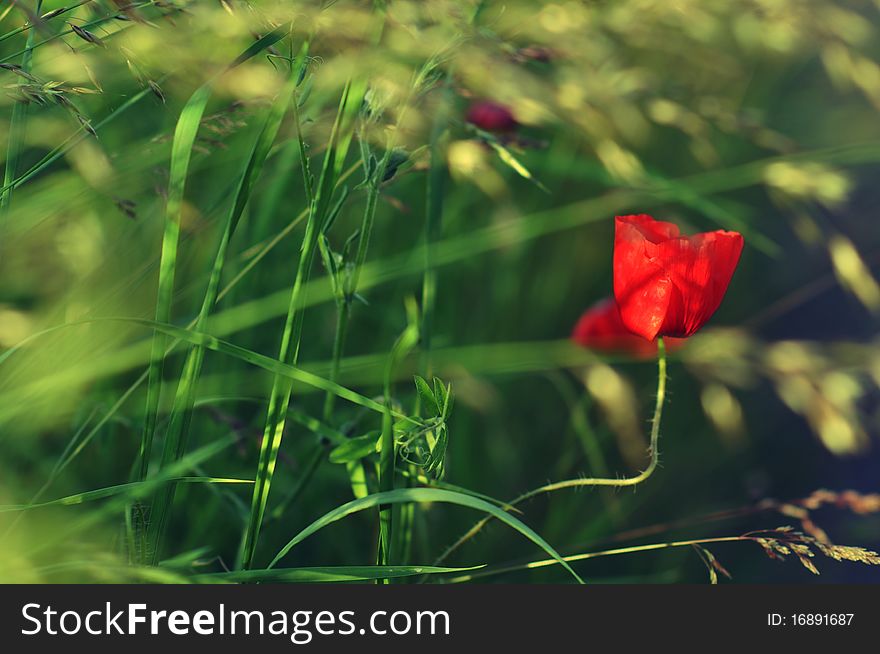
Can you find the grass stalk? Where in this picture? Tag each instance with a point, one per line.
(574, 558)
(433, 230)
(279, 398)
(388, 452)
(184, 138)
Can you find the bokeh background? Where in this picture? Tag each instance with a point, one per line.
(759, 116)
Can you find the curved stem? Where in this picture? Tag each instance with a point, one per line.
(593, 481)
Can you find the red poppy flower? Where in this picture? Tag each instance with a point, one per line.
(601, 328)
(491, 117)
(667, 284)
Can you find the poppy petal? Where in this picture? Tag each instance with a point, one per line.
(641, 286)
(666, 284)
(655, 231)
(601, 328)
(700, 269)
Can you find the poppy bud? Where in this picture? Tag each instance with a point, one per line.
(491, 117)
(667, 284)
(600, 328)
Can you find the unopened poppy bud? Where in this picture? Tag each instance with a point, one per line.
(491, 117)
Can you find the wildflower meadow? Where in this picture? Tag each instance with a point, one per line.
(439, 291)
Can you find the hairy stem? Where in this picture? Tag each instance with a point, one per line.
(592, 481)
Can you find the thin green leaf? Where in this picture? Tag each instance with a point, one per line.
(120, 489)
(326, 574)
(429, 399)
(279, 398)
(511, 161)
(176, 436)
(406, 495)
(181, 151)
(387, 450)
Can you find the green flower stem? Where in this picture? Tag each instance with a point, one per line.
(589, 482)
(387, 454)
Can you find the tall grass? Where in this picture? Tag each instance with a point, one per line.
(319, 213)
(184, 137)
(17, 123)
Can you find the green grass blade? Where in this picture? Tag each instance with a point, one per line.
(243, 354)
(137, 491)
(512, 162)
(405, 495)
(119, 489)
(181, 152)
(435, 184)
(332, 574)
(279, 398)
(176, 435)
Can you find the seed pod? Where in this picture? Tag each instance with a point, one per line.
(157, 90)
(52, 14)
(86, 35)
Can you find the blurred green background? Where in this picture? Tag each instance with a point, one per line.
(759, 116)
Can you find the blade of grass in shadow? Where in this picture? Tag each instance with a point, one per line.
(433, 229)
(119, 489)
(404, 495)
(434, 193)
(335, 574)
(178, 426)
(347, 289)
(305, 476)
